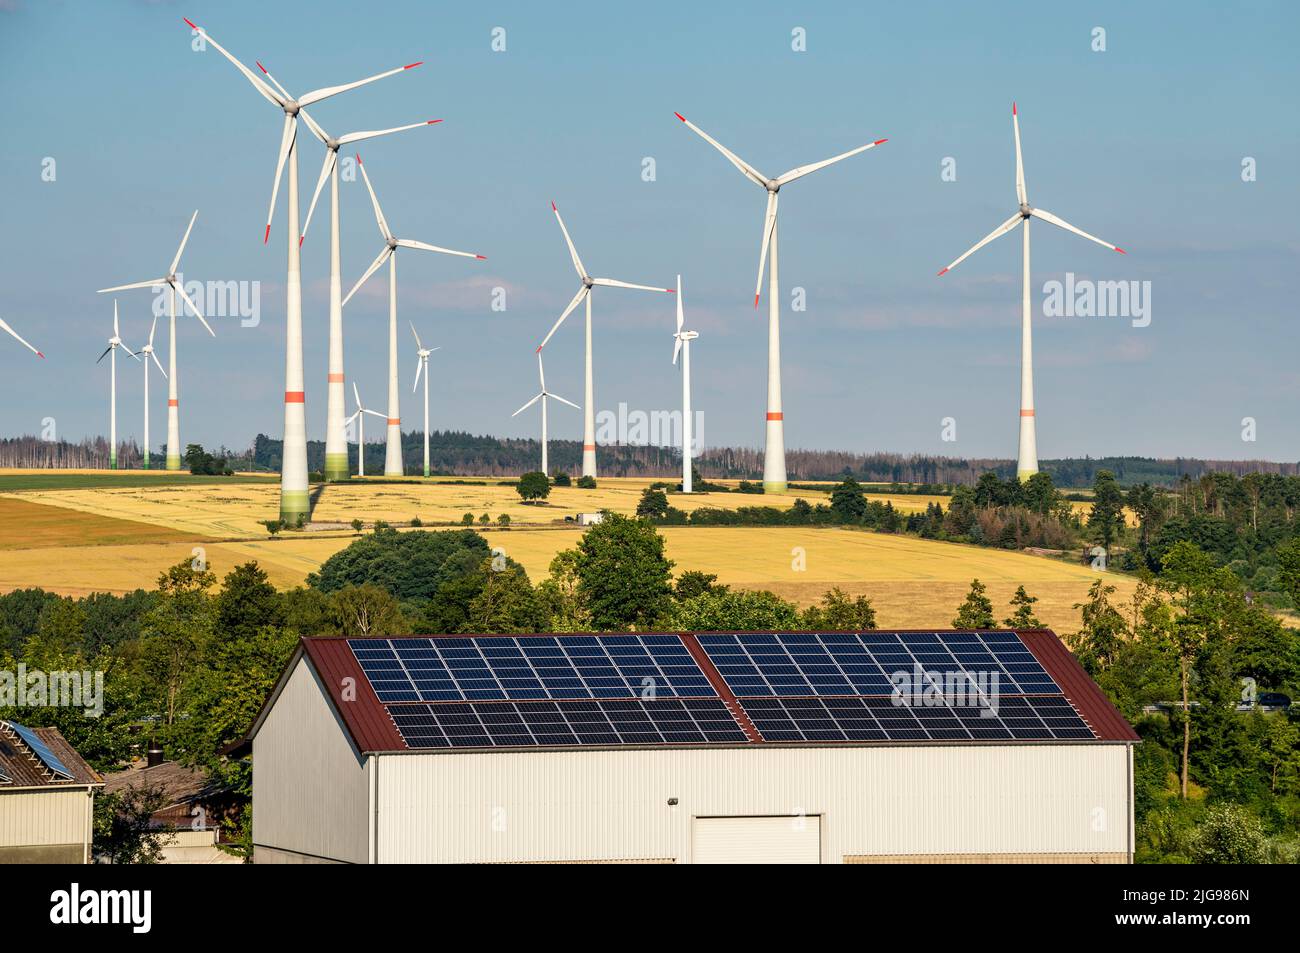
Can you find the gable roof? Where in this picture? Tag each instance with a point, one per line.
(22, 767)
(372, 728)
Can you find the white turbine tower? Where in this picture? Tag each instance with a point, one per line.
(111, 353)
(542, 395)
(4, 326)
(584, 293)
(148, 353)
(171, 281)
(774, 454)
(360, 418)
(422, 365)
(294, 504)
(1027, 460)
(393, 453)
(682, 345)
(336, 441)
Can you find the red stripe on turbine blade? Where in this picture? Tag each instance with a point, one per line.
(267, 237)
(553, 208)
(301, 239)
(481, 257)
(879, 141)
(294, 397)
(680, 116)
(1013, 108)
(539, 349)
(755, 301)
(432, 121)
(944, 272)
(261, 67)
(358, 158)
(190, 22)
(41, 355)
(413, 65)
(1120, 250)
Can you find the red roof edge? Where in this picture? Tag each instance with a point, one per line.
(720, 686)
(363, 714)
(1090, 701)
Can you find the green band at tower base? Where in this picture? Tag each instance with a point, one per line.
(173, 461)
(144, 464)
(336, 467)
(1024, 475)
(773, 487)
(294, 507)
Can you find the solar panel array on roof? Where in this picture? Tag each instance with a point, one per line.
(530, 667)
(41, 750)
(598, 690)
(566, 723)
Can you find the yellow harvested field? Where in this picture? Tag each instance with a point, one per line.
(27, 525)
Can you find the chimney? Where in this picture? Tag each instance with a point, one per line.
(154, 757)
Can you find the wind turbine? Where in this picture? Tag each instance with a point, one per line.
(294, 504)
(584, 294)
(359, 417)
(393, 453)
(4, 326)
(422, 364)
(1027, 462)
(336, 441)
(111, 352)
(774, 454)
(148, 353)
(542, 395)
(173, 401)
(682, 345)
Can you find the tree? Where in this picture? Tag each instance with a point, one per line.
(1288, 559)
(357, 526)
(1229, 834)
(368, 610)
(247, 602)
(534, 486)
(484, 520)
(848, 502)
(741, 610)
(1106, 518)
(623, 575)
(467, 519)
(838, 612)
(692, 583)
(506, 601)
(1098, 643)
(202, 463)
(174, 635)
(563, 479)
(558, 594)
(273, 527)
(503, 519)
(124, 831)
(653, 504)
(977, 611)
(409, 565)
(1022, 611)
(1038, 493)
(586, 483)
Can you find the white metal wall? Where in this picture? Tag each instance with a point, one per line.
(310, 789)
(42, 818)
(609, 805)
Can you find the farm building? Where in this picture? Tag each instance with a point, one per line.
(46, 798)
(849, 747)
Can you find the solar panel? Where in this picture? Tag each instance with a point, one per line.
(4, 775)
(530, 668)
(809, 663)
(41, 750)
(566, 723)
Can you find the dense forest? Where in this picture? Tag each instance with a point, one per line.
(457, 453)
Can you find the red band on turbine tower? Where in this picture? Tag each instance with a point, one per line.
(394, 421)
(294, 397)
(776, 416)
(1027, 413)
(589, 446)
(336, 378)
(173, 403)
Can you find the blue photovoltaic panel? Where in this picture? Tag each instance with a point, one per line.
(530, 667)
(861, 663)
(41, 750)
(566, 723)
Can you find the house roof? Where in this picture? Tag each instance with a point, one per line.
(373, 723)
(22, 766)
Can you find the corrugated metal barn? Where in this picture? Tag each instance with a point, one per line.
(47, 794)
(845, 747)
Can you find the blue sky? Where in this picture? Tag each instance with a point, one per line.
(1141, 144)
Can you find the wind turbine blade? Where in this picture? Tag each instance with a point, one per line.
(758, 178)
(613, 283)
(1002, 229)
(417, 335)
(195, 308)
(563, 401)
(800, 171)
(352, 418)
(105, 354)
(527, 405)
(258, 83)
(374, 266)
(577, 300)
(375, 413)
(19, 338)
(159, 363)
(274, 82)
(116, 331)
(573, 252)
(325, 92)
(180, 249)
(419, 366)
(769, 223)
(152, 328)
(677, 347)
(286, 142)
(1062, 223)
(681, 319)
(131, 352)
(315, 127)
(155, 283)
(1020, 165)
(357, 394)
(326, 168)
(541, 373)
(374, 133)
(425, 246)
(374, 200)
